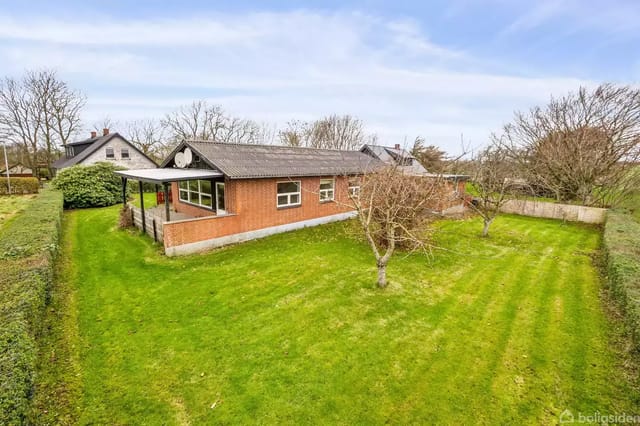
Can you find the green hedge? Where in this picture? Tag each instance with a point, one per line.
(622, 245)
(28, 246)
(19, 185)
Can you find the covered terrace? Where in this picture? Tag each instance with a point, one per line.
(161, 177)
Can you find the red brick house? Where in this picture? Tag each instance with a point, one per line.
(226, 193)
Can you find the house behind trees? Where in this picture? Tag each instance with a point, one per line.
(108, 147)
(408, 164)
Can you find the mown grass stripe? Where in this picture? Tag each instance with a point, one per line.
(303, 336)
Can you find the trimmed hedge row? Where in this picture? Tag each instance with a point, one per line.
(622, 245)
(28, 246)
(19, 185)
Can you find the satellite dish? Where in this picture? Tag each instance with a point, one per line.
(180, 160)
(188, 156)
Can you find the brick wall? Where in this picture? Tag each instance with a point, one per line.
(251, 205)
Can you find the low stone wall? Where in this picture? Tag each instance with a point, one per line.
(153, 224)
(555, 211)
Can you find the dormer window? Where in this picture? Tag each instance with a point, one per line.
(406, 161)
(110, 153)
(124, 153)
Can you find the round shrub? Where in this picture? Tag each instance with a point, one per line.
(89, 186)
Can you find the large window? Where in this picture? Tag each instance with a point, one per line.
(110, 153)
(196, 192)
(326, 189)
(288, 194)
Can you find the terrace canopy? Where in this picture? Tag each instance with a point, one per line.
(162, 177)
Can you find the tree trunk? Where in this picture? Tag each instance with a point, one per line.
(382, 275)
(487, 224)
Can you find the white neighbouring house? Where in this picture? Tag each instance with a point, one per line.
(110, 147)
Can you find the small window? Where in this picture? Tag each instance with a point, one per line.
(288, 194)
(110, 153)
(354, 187)
(326, 189)
(124, 153)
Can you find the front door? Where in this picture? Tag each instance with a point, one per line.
(220, 207)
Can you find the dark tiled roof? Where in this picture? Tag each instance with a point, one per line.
(390, 155)
(96, 143)
(242, 161)
(86, 141)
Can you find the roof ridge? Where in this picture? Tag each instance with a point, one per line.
(268, 145)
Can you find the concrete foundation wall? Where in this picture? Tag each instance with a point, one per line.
(555, 211)
(246, 236)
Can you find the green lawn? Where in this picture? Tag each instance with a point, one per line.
(12, 204)
(149, 199)
(291, 329)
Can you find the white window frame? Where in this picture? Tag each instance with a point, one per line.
(327, 195)
(224, 194)
(289, 194)
(113, 153)
(354, 187)
(185, 195)
(122, 156)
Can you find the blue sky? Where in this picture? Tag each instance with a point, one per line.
(437, 69)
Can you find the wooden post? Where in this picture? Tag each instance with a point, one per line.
(124, 191)
(155, 234)
(157, 195)
(144, 227)
(166, 202)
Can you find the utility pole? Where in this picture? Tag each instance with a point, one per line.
(6, 166)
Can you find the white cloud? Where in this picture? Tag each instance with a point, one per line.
(615, 18)
(273, 67)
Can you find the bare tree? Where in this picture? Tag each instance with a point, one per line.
(60, 108)
(332, 132)
(148, 136)
(105, 123)
(337, 132)
(395, 209)
(199, 120)
(41, 113)
(295, 133)
(20, 119)
(492, 178)
(580, 147)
